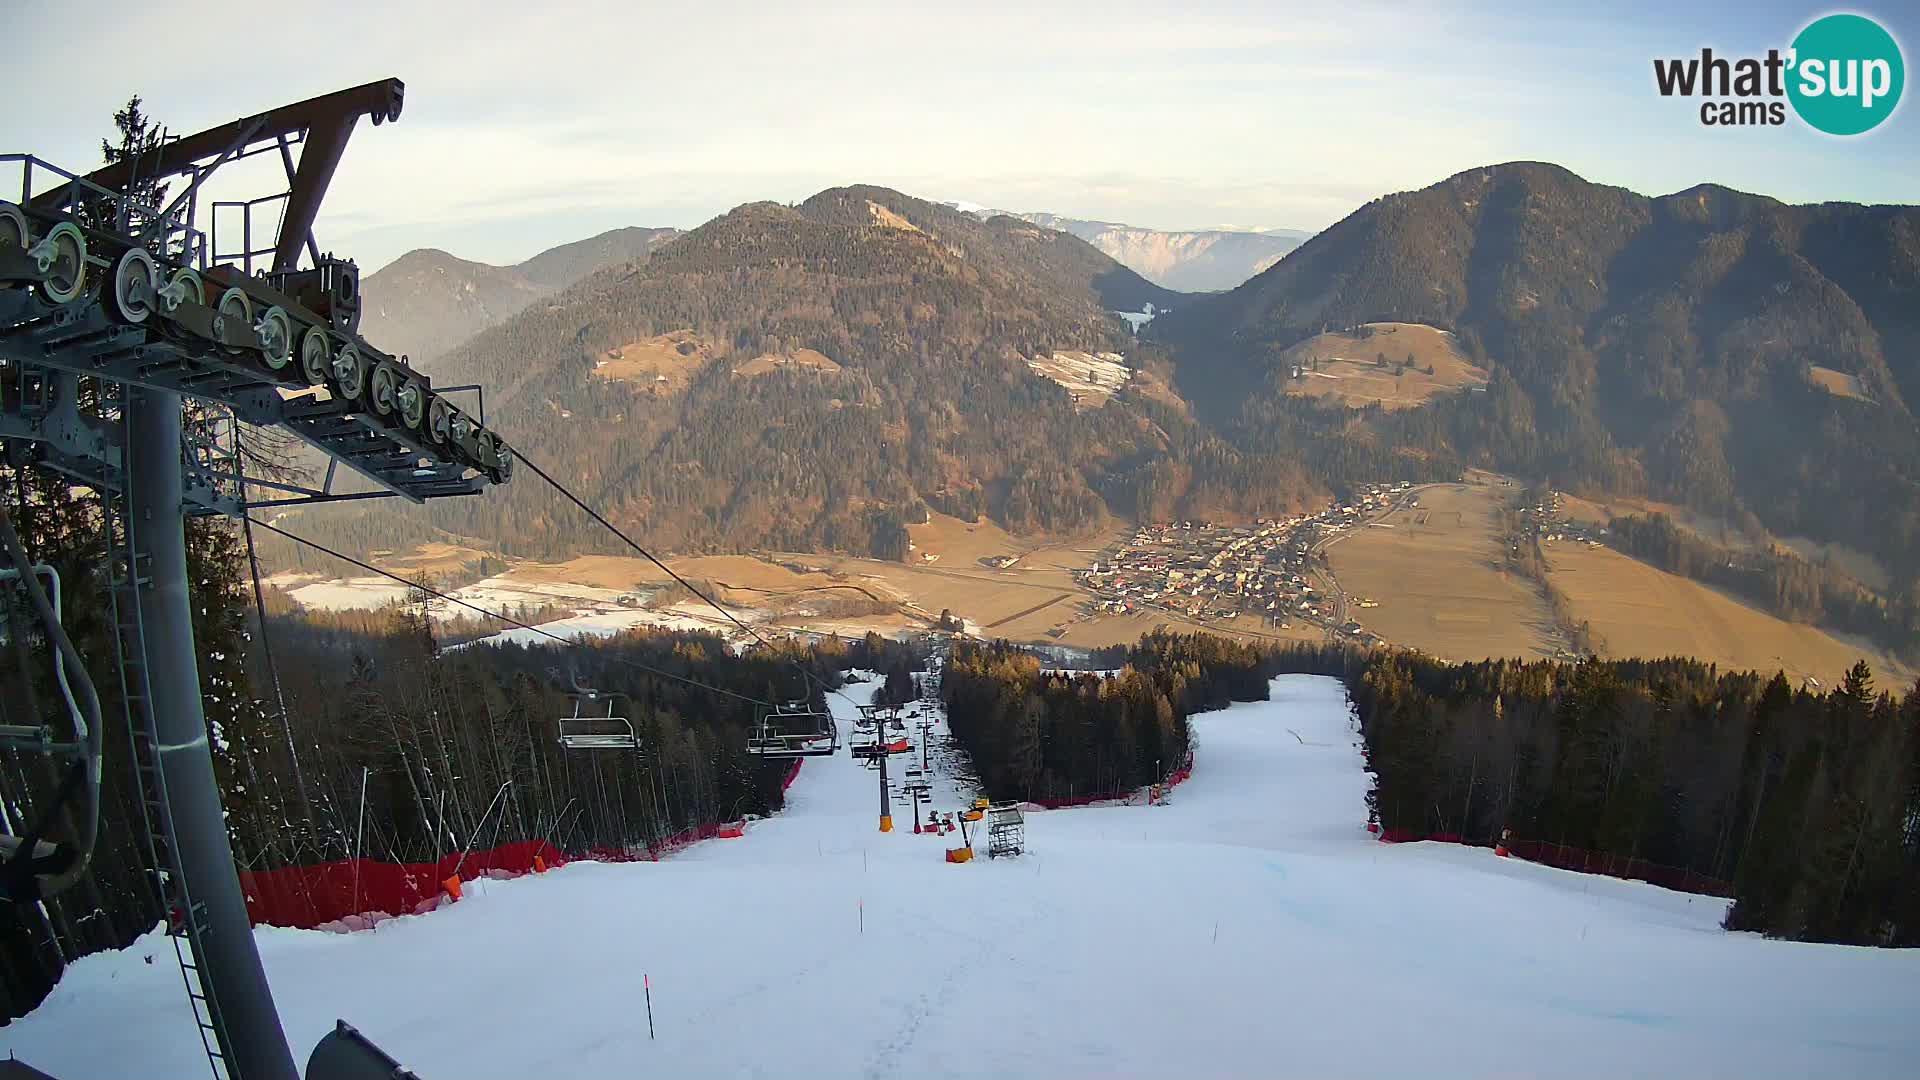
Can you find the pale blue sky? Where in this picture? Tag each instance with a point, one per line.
(528, 125)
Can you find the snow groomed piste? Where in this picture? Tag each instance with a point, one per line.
(1249, 927)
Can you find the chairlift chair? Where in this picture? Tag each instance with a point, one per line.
(32, 867)
(588, 729)
(794, 730)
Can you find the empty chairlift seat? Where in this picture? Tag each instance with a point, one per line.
(595, 724)
(794, 730)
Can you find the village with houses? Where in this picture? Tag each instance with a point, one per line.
(1274, 569)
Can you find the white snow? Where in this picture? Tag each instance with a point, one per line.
(1248, 928)
(1138, 319)
(492, 592)
(1090, 377)
(592, 624)
(349, 594)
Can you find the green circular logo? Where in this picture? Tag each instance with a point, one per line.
(1847, 74)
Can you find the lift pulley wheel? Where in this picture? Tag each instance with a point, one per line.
(62, 255)
(134, 290)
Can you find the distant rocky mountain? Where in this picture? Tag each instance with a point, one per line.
(427, 301)
(1205, 260)
(1713, 348)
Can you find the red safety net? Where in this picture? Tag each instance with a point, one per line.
(1596, 862)
(307, 896)
(312, 896)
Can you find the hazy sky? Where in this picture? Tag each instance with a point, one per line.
(528, 125)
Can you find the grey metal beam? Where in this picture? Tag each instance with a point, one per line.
(230, 966)
(381, 100)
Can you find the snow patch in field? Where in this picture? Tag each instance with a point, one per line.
(592, 624)
(349, 594)
(1138, 319)
(1091, 378)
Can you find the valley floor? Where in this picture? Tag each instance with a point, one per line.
(1249, 928)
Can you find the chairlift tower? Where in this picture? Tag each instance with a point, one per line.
(113, 314)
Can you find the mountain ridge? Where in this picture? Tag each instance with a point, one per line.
(810, 376)
(1661, 345)
(428, 300)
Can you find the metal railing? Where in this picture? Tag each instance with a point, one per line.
(170, 232)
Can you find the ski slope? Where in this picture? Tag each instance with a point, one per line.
(1249, 928)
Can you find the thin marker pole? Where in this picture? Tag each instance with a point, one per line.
(647, 982)
(359, 832)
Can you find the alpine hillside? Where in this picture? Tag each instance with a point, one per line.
(1720, 350)
(814, 376)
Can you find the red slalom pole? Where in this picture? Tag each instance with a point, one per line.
(647, 982)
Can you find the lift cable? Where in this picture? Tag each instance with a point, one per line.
(683, 582)
(266, 653)
(569, 642)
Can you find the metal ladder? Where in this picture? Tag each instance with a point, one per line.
(185, 918)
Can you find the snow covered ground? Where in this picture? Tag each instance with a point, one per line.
(1091, 377)
(1248, 928)
(348, 594)
(1138, 319)
(592, 624)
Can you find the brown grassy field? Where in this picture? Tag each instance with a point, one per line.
(430, 559)
(1436, 574)
(1638, 610)
(667, 362)
(769, 363)
(1349, 372)
(1837, 383)
(962, 544)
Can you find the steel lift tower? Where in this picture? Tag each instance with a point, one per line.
(134, 350)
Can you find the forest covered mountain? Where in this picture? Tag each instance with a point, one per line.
(1189, 260)
(812, 376)
(1712, 348)
(808, 377)
(427, 301)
